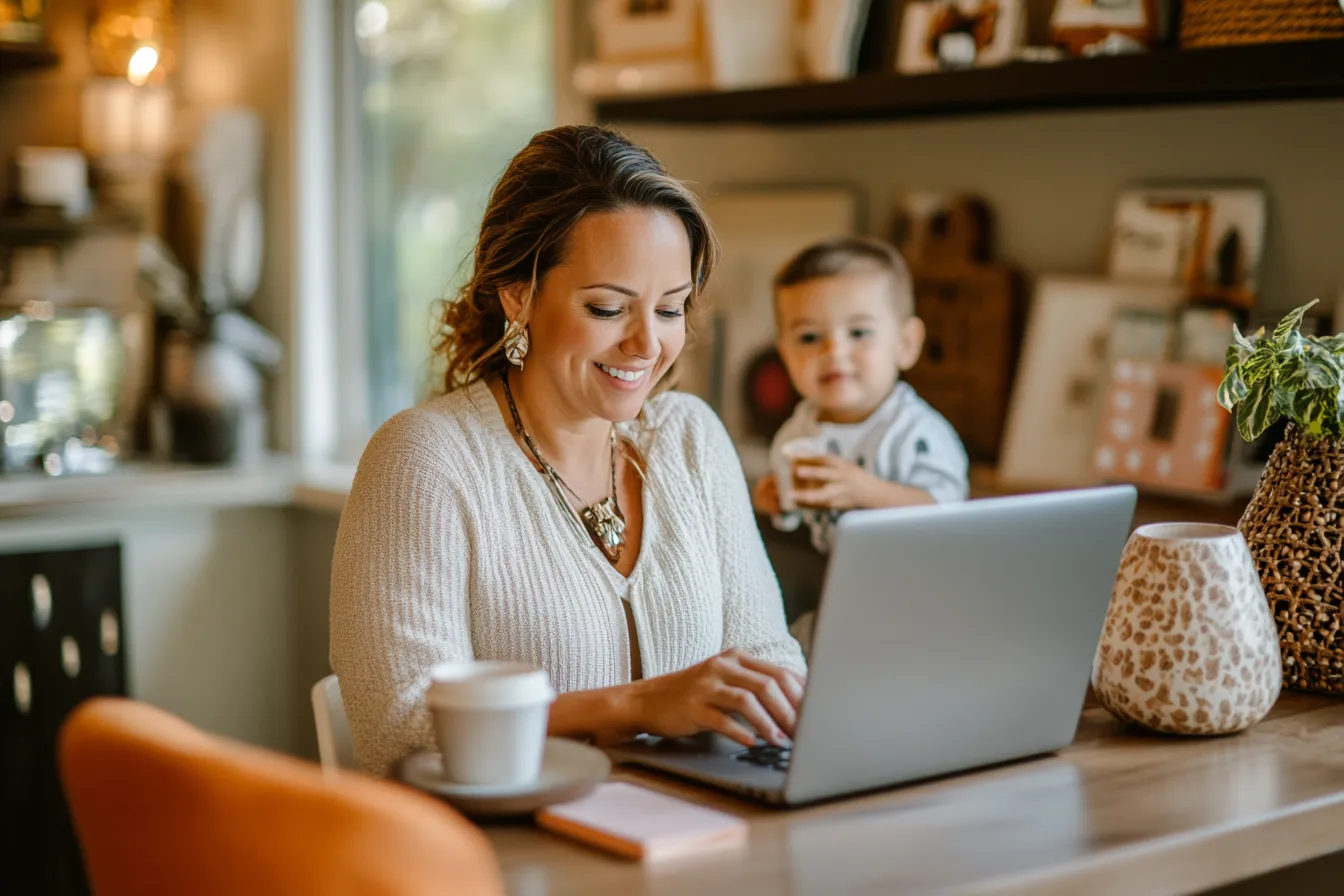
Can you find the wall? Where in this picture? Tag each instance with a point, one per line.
(1052, 178)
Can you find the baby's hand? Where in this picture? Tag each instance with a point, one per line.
(765, 496)
(835, 484)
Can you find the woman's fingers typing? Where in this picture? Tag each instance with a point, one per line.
(770, 696)
(790, 682)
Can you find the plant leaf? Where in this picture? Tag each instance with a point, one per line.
(1256, 412)
(1242, 341)
(1333, 344)
(1291, 321)
(1260, 364)
(1233, 388)
(1320, 368)
(1313, 409)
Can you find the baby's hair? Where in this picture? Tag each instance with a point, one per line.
(851, 255)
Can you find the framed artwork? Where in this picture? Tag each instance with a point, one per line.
(1209, 240)
(759, 229)
(1163, 427)
(1077, 24)
(626, 30)
(1061, 377)
(949, 34)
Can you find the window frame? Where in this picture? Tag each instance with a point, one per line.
(331, 413)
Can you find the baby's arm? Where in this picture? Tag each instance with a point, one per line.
(930, 459)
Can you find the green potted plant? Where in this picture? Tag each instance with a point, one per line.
(1293, 523)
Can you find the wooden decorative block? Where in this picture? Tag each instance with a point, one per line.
(1162, 427)
(973, 311)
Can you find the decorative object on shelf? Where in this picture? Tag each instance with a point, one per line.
(1188, 646)
(1213, 23)
(1208, 238)
(1081, 26)
(973, 311)
(21, 22)
(1294, 523)
(1061, 380)
(128, 131)
(952, 34)
(226, 167)
(769, 394)
(1203, 332)
(53, 176)
(643, 46)
(127, 113)
(751, 42)
(211, 409)
(759, 229)
(645, 29)
(829, 36)
(1161, 427)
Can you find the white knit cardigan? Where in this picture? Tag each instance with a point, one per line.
(452, 546)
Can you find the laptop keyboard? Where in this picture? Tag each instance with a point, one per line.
(767, 755)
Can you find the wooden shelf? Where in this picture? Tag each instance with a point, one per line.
(15, 56)
(1293, 71)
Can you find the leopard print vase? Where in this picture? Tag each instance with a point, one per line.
(1189, 646)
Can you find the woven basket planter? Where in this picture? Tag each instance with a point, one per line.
(1294, 526)
(1214, 23)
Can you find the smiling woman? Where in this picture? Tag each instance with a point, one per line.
(550, 508)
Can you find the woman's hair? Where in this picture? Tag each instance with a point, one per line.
(560, 176)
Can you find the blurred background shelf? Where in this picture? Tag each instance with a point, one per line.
(1287, 71)
(15, 56)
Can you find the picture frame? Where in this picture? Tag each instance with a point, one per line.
(936, 35)
(759, 228)
(1207, 238)
(638, 30)
(1078, 24)
(1163, 428)
(1062, 375)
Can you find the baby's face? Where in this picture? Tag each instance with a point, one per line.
(844, 343)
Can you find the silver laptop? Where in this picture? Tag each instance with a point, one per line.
(947, 638)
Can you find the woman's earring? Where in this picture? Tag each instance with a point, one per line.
(515, 343)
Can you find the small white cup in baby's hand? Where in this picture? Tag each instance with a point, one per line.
(786, 475)
(490, 720)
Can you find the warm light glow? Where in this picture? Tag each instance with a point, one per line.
(141, 65)
(133, 40)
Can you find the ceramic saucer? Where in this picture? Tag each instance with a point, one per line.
(569, 770)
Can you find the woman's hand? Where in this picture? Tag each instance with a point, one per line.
(765, 496)
(702, 697)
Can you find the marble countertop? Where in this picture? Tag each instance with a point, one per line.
(276, 481)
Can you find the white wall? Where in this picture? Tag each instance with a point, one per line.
(1052, 178)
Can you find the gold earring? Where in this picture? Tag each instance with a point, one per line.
(515, 343)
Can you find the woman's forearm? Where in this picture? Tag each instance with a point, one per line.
(602, 714)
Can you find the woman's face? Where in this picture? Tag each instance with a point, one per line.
(610, 319)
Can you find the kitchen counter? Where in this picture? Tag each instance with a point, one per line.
(276, 481)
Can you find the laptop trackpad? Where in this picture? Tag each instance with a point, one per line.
(705, 756)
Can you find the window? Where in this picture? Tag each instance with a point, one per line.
(434, 98)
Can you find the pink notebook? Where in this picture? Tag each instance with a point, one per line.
(638, 823)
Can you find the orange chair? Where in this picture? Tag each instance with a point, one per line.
(161, 807)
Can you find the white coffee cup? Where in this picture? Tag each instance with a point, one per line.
(490, 720)
(790, 453)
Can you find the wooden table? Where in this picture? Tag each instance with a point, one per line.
(1118, 811)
